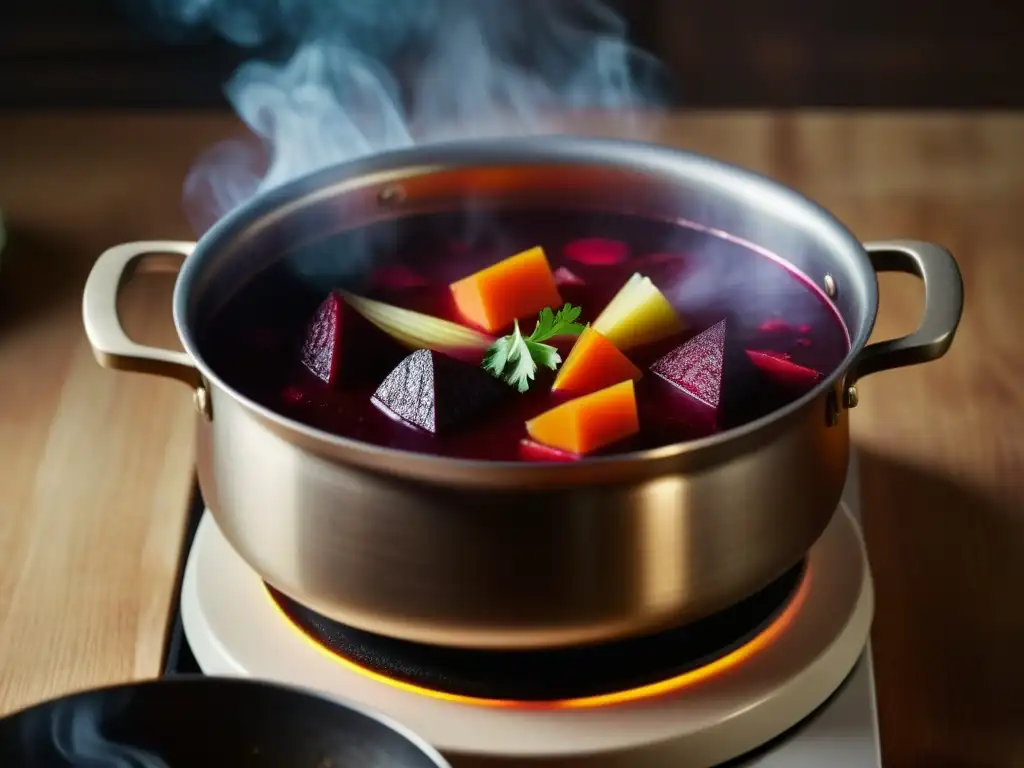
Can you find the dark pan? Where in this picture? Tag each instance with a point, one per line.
(190, 721)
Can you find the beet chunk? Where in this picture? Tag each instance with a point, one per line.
(597, 251)
(670, 415)
(341, 347)
(438, 393)
(322, 346)
(717, 374)
(781, 369)
(530, 450)
(565, 276)
(697, 366)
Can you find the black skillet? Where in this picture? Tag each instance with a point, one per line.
(195, 721)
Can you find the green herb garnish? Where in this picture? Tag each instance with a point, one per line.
(515, 357)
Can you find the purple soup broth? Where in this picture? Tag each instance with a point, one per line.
(785, 330)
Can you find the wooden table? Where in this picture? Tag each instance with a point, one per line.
(95, 469)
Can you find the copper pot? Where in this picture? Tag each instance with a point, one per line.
(500, 555)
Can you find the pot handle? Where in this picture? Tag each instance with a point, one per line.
(943, 305)
(110, 344)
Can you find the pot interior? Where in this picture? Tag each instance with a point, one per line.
(400, 231)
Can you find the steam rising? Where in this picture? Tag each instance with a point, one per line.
(372, 75)
(80, 742)
(70, 733)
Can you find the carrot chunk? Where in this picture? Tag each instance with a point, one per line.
(594, 363)
(588, 423)
(518, 286)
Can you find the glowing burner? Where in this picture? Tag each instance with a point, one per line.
(589, 676)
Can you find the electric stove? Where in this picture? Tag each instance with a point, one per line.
(782, 679)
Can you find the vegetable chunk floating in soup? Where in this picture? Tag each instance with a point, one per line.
(530, 336)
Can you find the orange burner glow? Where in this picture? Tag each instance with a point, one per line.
(671, 685)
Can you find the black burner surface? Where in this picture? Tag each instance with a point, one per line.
(551, 675)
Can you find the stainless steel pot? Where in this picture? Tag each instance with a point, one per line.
(478, 554)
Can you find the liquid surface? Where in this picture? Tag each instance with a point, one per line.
(254, 341)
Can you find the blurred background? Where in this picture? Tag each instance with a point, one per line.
(728, 53)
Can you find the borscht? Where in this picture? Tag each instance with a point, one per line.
(530, 336)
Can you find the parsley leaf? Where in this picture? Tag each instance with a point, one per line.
(515, 357)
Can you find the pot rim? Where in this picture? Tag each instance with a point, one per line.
(432, 158)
